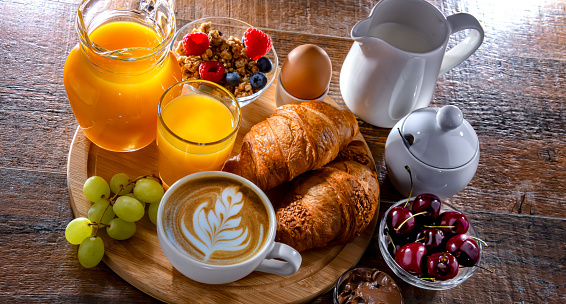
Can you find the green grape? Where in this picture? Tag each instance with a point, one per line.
(131, 194)
(152, 212)
(77, 230)
(96, 210)
(128, 209)
(148, 190)
(91, 251)
(120, 229)
(96, 188)
(121, 179)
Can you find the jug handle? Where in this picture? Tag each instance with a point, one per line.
(467, 46)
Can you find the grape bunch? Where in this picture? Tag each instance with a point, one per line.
(118, 213)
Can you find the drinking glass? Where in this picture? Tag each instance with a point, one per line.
(198, 121)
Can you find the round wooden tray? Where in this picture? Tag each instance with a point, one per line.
(140, 261)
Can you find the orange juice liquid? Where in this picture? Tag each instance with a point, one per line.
(197, 119)
(115, 100)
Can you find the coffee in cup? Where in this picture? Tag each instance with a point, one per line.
(216, 220)
(217, 227)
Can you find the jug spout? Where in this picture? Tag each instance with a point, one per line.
(360, 30)
(368, 43)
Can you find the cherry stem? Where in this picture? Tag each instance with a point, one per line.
(410, 217)
(480, 240)
(426, 226)
(421, 239)
(411, 192)
(492, 271)
(391, 240)
(429, 279)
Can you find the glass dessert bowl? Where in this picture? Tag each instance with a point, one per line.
(387, 247)
(226, 37)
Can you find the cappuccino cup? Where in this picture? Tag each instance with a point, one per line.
(217, 227)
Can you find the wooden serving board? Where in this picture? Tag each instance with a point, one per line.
(140, 261)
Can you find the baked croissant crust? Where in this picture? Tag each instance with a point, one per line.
(296, 138)
(331, 205)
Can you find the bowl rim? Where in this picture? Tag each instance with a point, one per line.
(243, 101)
(341, 278)
(412, 279)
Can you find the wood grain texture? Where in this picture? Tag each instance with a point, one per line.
(141, 262)
(512, 91)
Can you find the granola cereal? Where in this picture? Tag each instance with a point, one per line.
(230, 52)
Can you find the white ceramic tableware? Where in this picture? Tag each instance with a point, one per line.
(282, 97)
(397, 55)
(440, 148)
(218, 234)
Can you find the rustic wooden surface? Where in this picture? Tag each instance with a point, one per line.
(512, 91)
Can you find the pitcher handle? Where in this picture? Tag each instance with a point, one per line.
(466, 47)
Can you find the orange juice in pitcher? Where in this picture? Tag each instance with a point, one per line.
(116, 74)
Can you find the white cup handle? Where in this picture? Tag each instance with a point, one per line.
(290, 264)
(466, 47)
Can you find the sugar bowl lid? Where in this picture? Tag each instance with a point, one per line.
(440, 137)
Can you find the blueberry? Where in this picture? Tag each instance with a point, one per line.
(264, 65)
(258, 80)
(233, 78)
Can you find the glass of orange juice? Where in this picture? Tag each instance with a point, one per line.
(121, 66)
(197, 124)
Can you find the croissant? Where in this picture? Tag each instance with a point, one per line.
(296, 138)
(331, 205)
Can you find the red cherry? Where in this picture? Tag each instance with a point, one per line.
(397, 216)
(453, 222)
(428, 203)
(410, 257)
(465, 249)
(195, 43)
(442, 266)
(432, 238)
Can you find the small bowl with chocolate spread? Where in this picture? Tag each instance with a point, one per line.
(366, 285)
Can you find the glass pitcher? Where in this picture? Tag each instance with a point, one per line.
(121, 66)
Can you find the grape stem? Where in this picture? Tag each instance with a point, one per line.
(112, 200)
(101, 216)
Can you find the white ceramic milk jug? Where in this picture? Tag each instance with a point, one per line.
(398, 53)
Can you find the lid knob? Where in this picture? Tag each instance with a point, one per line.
(449, 117)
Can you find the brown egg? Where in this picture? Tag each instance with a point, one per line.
(306, 72)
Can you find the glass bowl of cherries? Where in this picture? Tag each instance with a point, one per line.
(428, 243)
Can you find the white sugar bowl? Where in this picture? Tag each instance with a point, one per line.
(438, 145)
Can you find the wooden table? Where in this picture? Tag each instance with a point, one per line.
(512, 91)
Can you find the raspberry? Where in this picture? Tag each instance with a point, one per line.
(211, 70)
(195, 43)
(257, 43)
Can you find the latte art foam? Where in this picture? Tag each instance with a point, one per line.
(216, 221)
